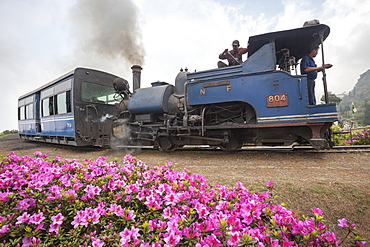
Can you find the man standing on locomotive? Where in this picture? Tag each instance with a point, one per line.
(309, 67)
(234, 57)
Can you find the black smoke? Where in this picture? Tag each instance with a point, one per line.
(109, 28)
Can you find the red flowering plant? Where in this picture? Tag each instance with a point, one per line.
(55, 202)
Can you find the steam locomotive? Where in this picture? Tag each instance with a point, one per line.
(261, 102)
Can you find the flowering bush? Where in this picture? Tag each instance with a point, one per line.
(342, 137)
(362, 138)
(65, 203)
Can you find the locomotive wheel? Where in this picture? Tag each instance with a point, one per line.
(165, 144)
(233, 144)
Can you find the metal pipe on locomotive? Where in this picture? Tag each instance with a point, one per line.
(228, 107)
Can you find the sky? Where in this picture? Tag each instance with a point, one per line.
(41, 40)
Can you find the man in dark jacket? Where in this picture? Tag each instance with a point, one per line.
(309, 67)
(234, 56)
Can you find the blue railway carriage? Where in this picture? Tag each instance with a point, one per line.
(75, 109)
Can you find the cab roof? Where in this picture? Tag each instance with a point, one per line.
(299, 41)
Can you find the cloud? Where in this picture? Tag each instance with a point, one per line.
(350, 31)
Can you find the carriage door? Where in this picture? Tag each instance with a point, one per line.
(91, 94)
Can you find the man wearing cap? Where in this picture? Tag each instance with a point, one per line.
(309, 67)
(234, 57)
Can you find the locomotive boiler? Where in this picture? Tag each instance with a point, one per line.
(259, 102)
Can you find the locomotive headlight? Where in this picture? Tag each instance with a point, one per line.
(180, 105)
(195, 118)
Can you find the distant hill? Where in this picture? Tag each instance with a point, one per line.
(360, 96)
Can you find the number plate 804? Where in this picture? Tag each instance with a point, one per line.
(277, 100)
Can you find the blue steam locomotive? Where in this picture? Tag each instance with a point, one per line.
(261, 101)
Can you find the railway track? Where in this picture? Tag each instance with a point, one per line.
(13, 143)
(303, 149)
(335, 149)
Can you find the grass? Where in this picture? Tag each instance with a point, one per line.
(8, 132)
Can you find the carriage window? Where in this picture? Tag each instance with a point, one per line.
(47, 107)
(29, 111)
(63, 103)
(96, 93)
(21, 113)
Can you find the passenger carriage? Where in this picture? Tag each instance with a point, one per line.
(75, 109)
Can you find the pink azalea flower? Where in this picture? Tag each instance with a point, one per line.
(361, 243)
(156, 245)
(77, 185)
(275, 243)
(210, 240)
(80, 219)
(40, 226)
(91, 191)
(330, 237)
(130, 215)
(4, 196)
(54, 228)
(95, 218)
(116, 209)
(55, 189)
(171, 239)
(288, 244)
(189, 233)
(5, 228)
(26, 203)
(36, 218)
(30, 241)
(57, 219)
(317, 211)
(234, 239)
(131, 188)
(96, 242)
(125, 236)
(23, 218)
(135, 233)
(270, 184)
(70, 193)
(343, 222)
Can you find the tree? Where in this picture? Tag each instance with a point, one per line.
(367, 112)
(332, 98)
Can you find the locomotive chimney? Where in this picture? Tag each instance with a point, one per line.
(136, 77)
